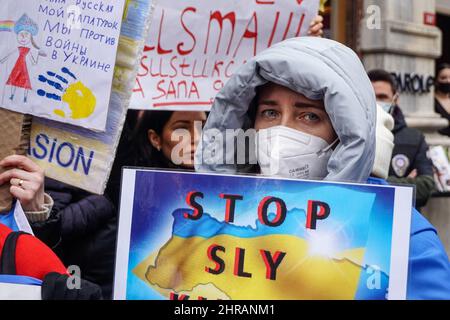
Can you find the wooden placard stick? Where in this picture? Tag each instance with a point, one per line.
(15, 131)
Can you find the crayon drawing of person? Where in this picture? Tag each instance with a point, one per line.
(25, 29)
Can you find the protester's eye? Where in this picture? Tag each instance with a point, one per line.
(270, 114)
(311, 117)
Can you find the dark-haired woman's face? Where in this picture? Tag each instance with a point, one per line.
(179, 137)
(444, 76)
(443, 81)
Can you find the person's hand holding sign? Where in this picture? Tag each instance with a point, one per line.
(26, 179)
(316, 27)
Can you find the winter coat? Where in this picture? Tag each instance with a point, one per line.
(326, 70)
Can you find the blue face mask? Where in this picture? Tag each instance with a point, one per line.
(387, 106)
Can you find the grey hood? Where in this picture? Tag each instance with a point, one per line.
(320, 69)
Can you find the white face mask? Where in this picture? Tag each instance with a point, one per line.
(289, 153)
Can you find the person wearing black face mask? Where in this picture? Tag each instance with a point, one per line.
(442, 97)
(409, 164)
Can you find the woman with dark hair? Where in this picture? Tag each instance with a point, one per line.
(157, 135)
(442, 96)
(156, 139)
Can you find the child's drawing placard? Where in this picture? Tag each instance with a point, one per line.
(80, 157)
(57, 58)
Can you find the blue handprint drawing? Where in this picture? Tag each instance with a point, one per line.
(80, 99)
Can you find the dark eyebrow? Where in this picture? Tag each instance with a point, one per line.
(308, 105)
(297, 105)
(181, 122)
(268, 102)
(382, 96)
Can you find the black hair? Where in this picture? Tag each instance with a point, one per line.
(252, 110)
(384, 76)
(135, 149)
(144, 154)
(441, 67)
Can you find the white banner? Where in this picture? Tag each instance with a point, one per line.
(195, 46)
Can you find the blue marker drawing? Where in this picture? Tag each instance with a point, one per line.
(80, 99)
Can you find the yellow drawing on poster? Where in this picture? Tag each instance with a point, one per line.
(175, 268)
(80, 99)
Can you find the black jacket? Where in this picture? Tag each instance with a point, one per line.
(438, 108)
(410, 153)
(82, 231)
(411, 143)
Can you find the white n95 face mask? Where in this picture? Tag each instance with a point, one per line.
(289, 153)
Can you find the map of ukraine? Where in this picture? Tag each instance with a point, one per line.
(179, 266)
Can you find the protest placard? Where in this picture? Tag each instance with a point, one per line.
(190, 236)
(57, 58)
(441, 166)
(81, 157)
(195, 46)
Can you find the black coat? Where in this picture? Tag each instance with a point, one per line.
(411, 143)
(82, 230)
(438, 108)
(410, 153)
